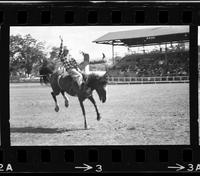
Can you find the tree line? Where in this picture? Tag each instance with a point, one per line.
(27, 55)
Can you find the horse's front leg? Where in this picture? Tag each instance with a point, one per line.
(66, 99)
(94, 103)
(55, 100)
(83, 110)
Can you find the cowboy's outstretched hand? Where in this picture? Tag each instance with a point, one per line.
(61, 38)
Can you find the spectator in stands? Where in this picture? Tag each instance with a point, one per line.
(103, 56)
(177, 64)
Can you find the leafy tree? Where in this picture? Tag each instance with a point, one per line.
(24, 53)
(54, 53)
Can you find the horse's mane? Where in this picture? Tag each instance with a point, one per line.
(94, 78)
(49, 66)
(46, 68)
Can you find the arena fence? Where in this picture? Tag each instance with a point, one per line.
(148, 80)
(125, 80)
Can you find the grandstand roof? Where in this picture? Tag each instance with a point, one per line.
(145, 36)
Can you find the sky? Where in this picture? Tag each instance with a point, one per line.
(76, 38)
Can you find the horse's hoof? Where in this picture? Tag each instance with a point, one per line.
(86, 127)
(56, 108)
(99, 117)
(66, 104)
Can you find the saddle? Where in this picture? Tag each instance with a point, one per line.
(86, 91)
(65, 73)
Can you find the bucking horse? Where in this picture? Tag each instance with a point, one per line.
(61, 82)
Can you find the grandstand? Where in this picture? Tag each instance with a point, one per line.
(152, 64)
(172, 61)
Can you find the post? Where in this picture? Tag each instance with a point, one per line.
(166, 60)
(113, 53)
(171, 45)
(143, 49)
(166, 51)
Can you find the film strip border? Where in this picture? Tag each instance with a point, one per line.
(112, 158)
(99, 14)
(99, 159)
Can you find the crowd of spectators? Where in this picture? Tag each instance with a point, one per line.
(172, 64)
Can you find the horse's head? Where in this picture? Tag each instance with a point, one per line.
(45, 70)
(98, 83)
(101, 88)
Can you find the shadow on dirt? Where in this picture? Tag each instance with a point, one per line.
(131, 128)
(43, 130)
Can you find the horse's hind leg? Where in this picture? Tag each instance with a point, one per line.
(83, 110)
(66, 99)
(55, 100)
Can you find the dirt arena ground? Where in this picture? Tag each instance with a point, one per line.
(151, 114)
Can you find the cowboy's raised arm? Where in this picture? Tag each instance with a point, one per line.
(61, 48)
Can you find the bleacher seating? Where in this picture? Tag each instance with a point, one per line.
(152, 64)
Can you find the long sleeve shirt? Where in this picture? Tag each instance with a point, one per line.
(69, 62)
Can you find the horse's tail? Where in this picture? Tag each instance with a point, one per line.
(45, 71)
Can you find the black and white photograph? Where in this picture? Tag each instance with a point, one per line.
(99, 85)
